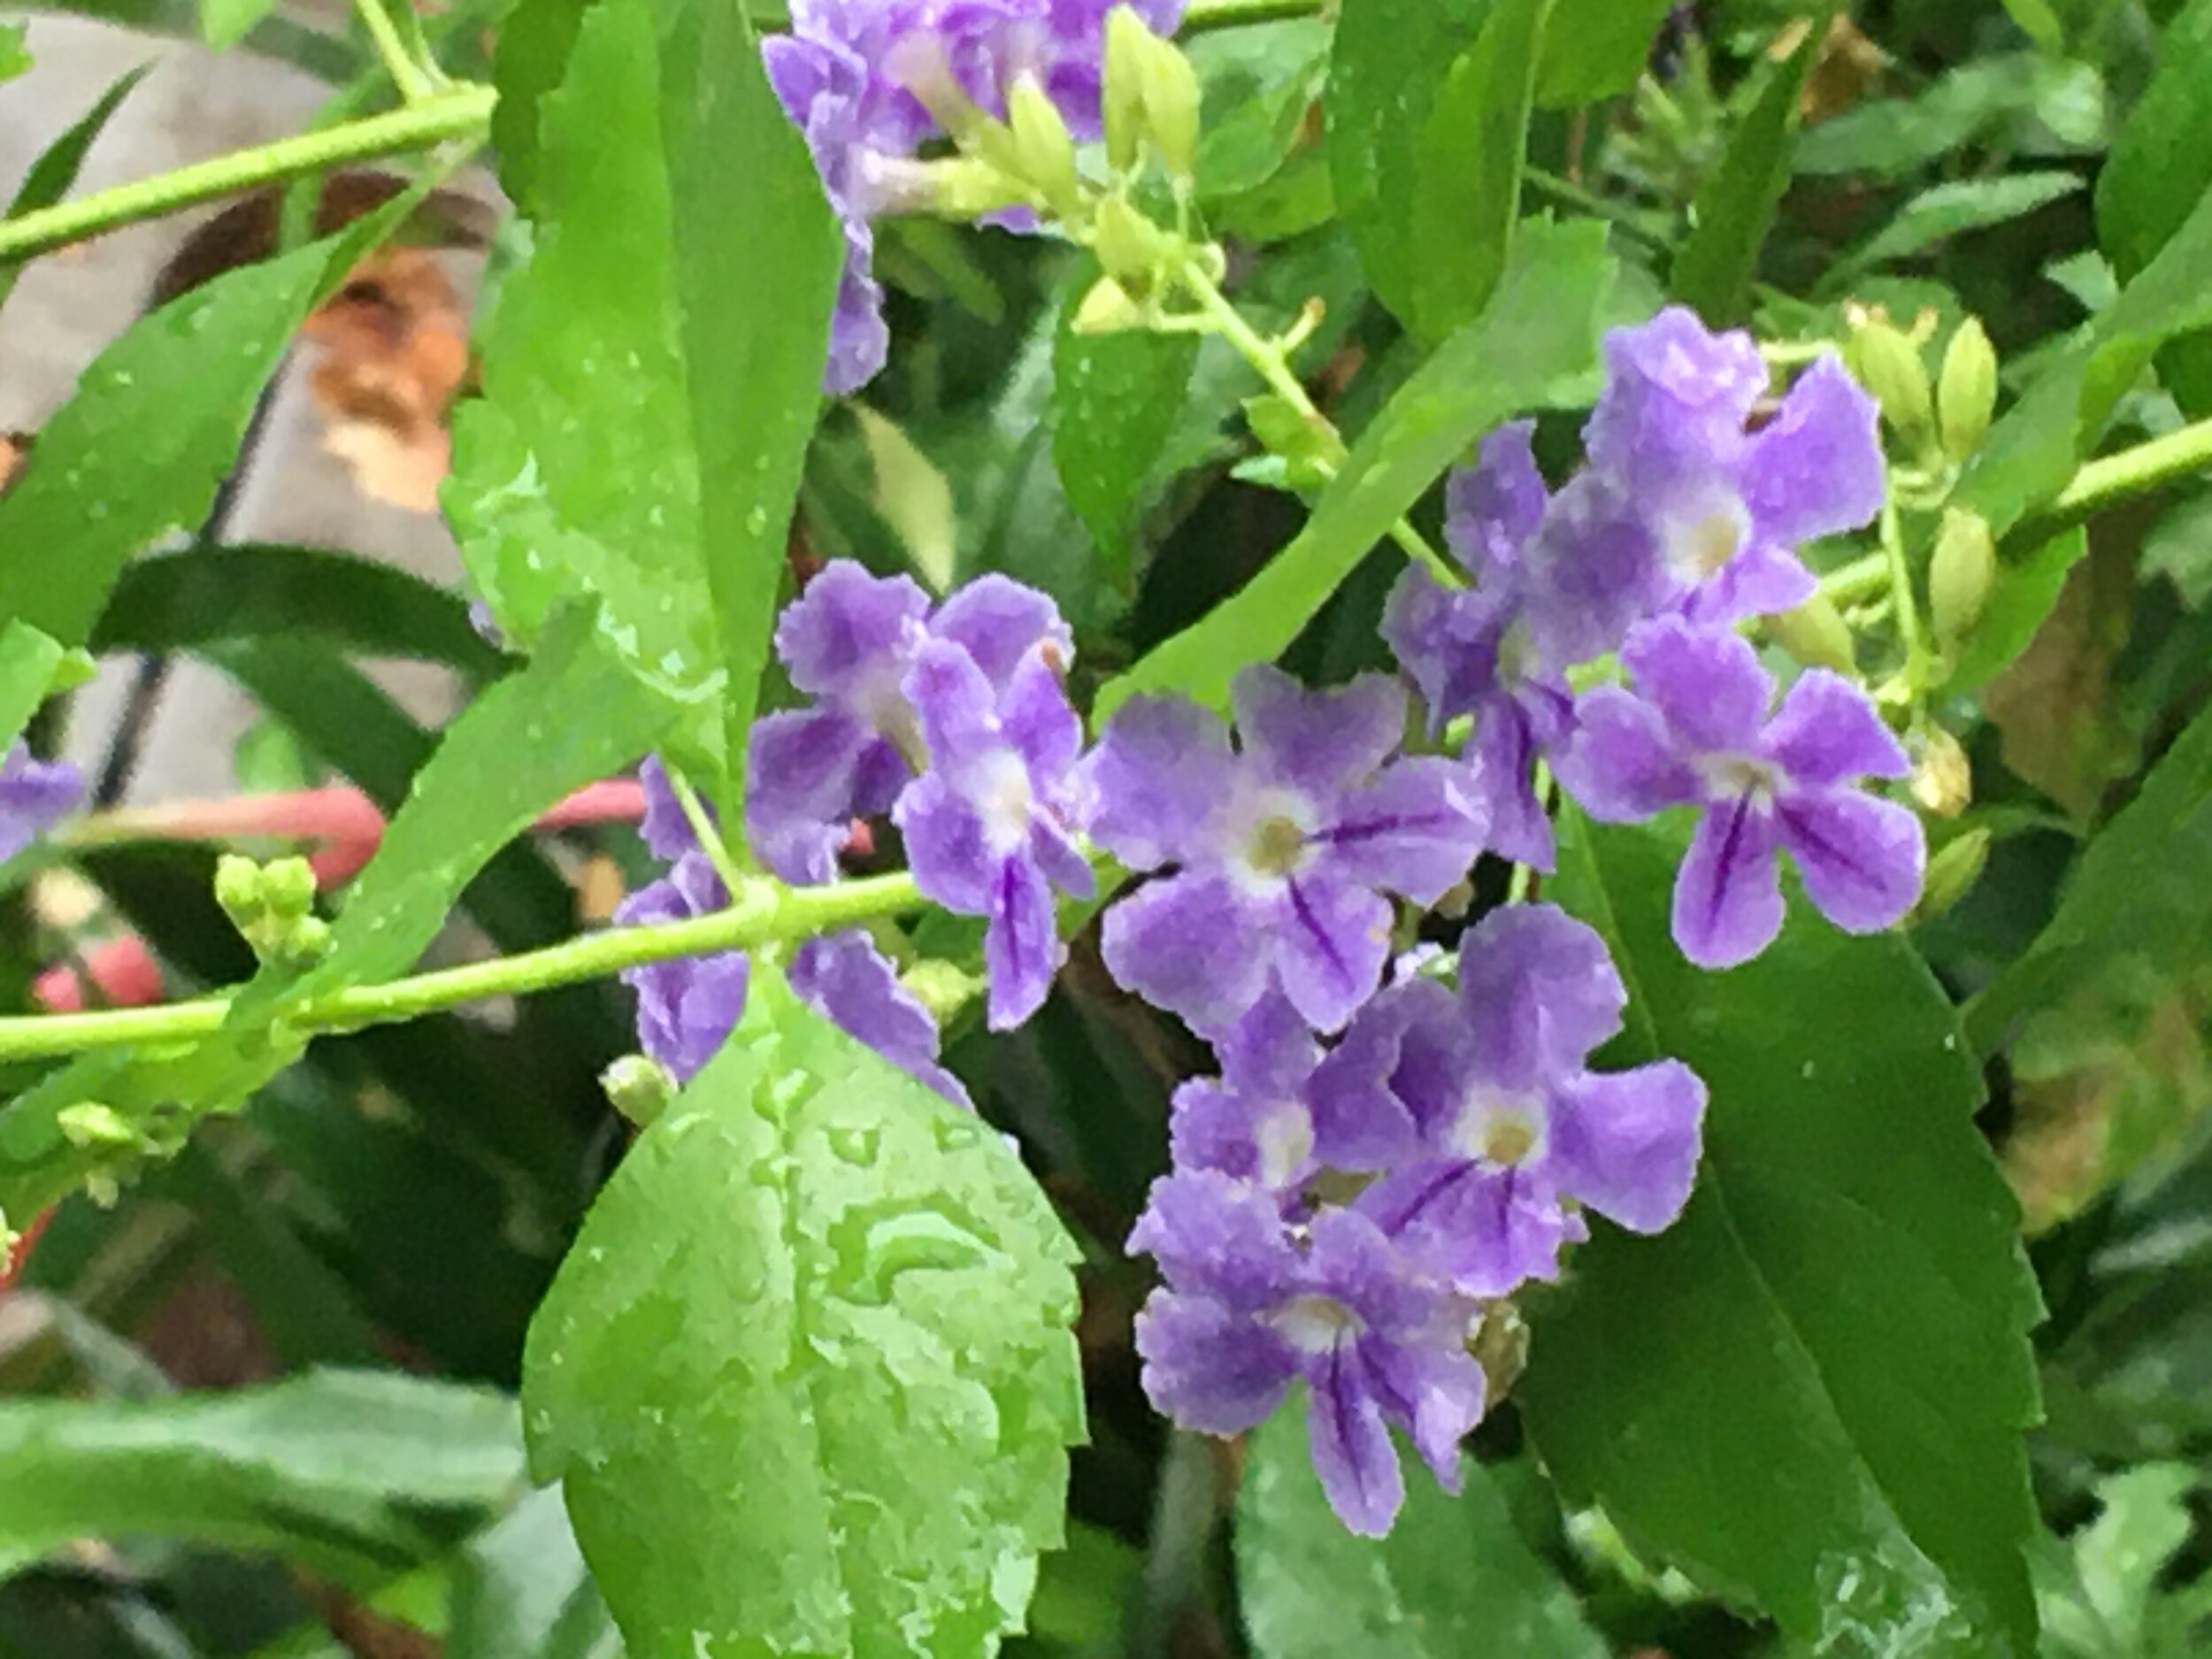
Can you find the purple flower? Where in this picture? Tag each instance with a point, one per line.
(1284, 845)
(1250, 1307)
(688, 1006)
(1696, 730)
(1252, 1122)
(845, 979)
(849, 641)
(34, 794)
(1474, 651)
(1480, 1107)
(990, 826)
(861, 78)
(1681, 508)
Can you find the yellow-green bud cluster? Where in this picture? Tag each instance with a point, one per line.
(273, 906)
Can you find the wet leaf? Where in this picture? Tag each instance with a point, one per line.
(1808, 1394)
(59, 163)
(807, 1373)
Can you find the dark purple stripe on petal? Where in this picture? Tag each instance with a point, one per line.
(1326, 946)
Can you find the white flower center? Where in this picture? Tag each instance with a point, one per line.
(1502, 1129)
(1704, 534)
(1314, 1324)
(1728, 776)
(1284, 1136)
(1272, 841)
(1004, 799)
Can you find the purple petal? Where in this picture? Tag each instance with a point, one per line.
(1217, 1238)
(1816, 469)
(1209, 1368)
(1398, 1073)
(849, 635)
(1828, 732)
(1862, 859)
(1037, 719)
(1269, 1050)
(948, 846)
(34, 794)
(1211, 1126)
(1414, 830)
(1491, 509)
(1187, 944)
(1354, 1263)
(1625, 1143)
(1352, 1449)
(1623, 764)
(1445, 640)
(1504, 780)
(1728, 896)
(1675, 399)
(803, 772)
(666, 828)
(1489, 1231)
(845, 979)
(860, 339)
(1708, 683)
(1595, 570)
(999, 622)
(1761, 580)
(1160, 772)
(1334, 940)
(1537, 991)
(1021, 945)
(1321, 743)
(1059, 857)
(956, 705)
(1437, 1390)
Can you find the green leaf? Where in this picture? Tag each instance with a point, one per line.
(914, 498)
(1808, 1393)
(1533, 346)
(572, 716)
(2158, 167)
(652, 379)
(2039, 22)
(1116, 399)
(28, 662)
(807, 1373)
(2024, 595)
(1890, 137)
(1596, 48)
(211, 595)
(520, 1583)
(1736, 208)
(1936, 215)
(224, 23)
(1388, 68)
(531, 56)
(354, 1474)
(1453, 1577)
(156, 422)
(58, 165)
(15, 57)
(1471, 154)
(2141, 895)
(2032, 451)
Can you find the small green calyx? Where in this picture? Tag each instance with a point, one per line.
(639, 1087)
(1951, 873)
(1817, 635)
(1966, 391)
(1960, 572)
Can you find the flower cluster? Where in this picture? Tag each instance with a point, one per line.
(34, 794)
(872, 83)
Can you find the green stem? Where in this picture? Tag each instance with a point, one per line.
(1272, 362)
(463, 114)
(765, 912)
(415, 86)
(1860, 580)
(2135, 472)
(1201, 15)
(1918, 651)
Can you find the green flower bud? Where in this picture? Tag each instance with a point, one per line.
(305, 939)
(1128, 43)
(963, 187)
(287, 886)
(1107, 309)
(1966, 393)
(1943, 778)
(1961, 572)
(1888, 365)
(1171, 105)
(1951, 873)
(238, 890)
(1043, 150)
(1817, 635)
(941, 987)
(640, 1089)
(1128, 244)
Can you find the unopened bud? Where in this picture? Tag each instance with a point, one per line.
(1943, 778)
(1888, 365)
(1817, 635)
(238, 890)
(91, 1124)
(306, 940)
(1171, 106)
(958, 187)
(1043, 149)
(1127, 44)
(1961, 572)
(1951, 873)
(1966, 394)
(1127, 244)
(1107, 309)
(287, 886)
(941, 987)
(639, 1087)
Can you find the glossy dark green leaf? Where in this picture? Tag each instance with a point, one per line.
(2141, 895)
(154, 426)
(1713, 272)
(1534, 345)
(2160, 168)
(353, 1473)
(28, 661)
(1889, 137)
(1116, 399)
(1596, 48)
(1453, 1579)
(1471, 154)
(58, 165)
(653, 375)
(211, 595)
(807, 1373)
(1945, 211)
(1389, 66)
(1808, 1393)
(535, 39)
